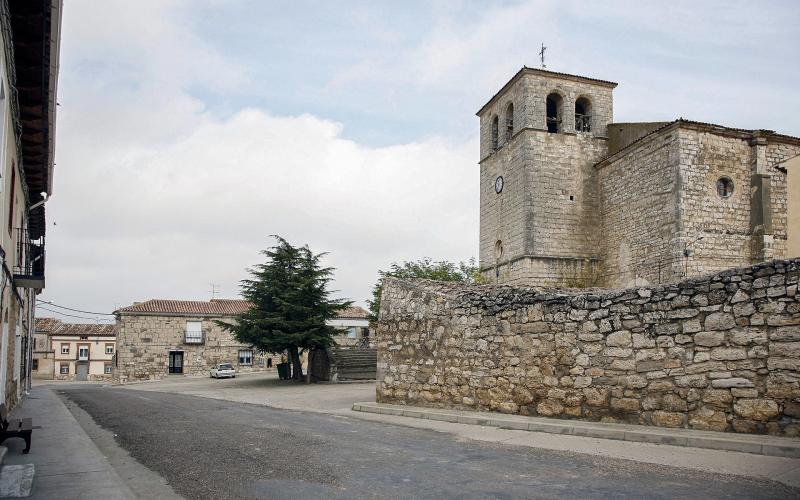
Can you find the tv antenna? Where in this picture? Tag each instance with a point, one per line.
(214, 290)
(541, 54)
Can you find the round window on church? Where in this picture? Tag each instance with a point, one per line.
(724, 187)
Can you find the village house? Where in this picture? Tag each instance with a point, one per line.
(181, 337)
(73, 351)
(30, 37)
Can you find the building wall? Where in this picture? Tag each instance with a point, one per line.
(718, 352)
(145, 341)
(793, 207)
(43, 356)
(639, 212)
(16, 304)
(98, 359)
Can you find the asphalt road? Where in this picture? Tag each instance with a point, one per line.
(211, 449)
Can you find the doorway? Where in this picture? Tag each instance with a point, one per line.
(82, 372)
(176, 361)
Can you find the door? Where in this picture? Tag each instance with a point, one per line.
(82, 371)
(176, 361)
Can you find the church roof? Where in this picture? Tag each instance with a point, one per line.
(745, 134)
(543, 72)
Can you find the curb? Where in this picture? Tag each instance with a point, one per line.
(745, 443)
(3, 452)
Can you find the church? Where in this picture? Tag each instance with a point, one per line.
(570, 198)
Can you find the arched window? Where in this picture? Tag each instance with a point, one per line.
(554, 113)
(494, 132)
(583, 115)
(509, 121)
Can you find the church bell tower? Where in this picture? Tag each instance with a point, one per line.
(540, 137)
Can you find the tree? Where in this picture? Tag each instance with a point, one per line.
(291, 304)
(442, 270)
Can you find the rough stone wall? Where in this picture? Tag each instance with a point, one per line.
(778, 154)
(718, 352)
(638, 216)
(144, 343)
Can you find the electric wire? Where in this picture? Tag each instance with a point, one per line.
(71, 315)
(71, 309)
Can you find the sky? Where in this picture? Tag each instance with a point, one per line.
(189, 131)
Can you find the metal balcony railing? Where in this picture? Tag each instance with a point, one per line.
(583, 123)
(29, 264)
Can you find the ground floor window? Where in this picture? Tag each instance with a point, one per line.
(64, 369)
(245, 357)
(351, 332)
(107, 369)
(35, 365)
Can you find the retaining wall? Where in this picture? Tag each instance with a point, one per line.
(717, 352)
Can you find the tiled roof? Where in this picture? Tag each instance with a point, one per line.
(706, 127)
(214, 307)
(353, 312)
(53, 326)
(544, 72)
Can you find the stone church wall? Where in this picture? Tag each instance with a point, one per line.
(718, 352)
(639, 212)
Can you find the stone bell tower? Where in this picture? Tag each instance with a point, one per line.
(540, 137)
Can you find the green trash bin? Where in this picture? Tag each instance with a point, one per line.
(283, 371)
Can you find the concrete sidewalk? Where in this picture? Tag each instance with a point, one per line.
(66, 461)
(744, 443)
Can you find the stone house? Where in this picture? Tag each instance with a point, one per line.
(571, 198)
(354, 325)
(30, 38)
(180, 337)
(73, 351)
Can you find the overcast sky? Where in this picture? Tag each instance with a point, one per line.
(190, 131)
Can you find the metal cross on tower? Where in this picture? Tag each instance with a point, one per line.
(541, 54)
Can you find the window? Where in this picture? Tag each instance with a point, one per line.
(35, 365)
(351, 332)
(83, 352)
(495, 126)
(64, 348)
(64, 369)
(108, 369)
(554, 113)
(365, 331)
(34, 343)
(724, 187)
(245, 357)
(509, 121)
(109, 348)
(194, 332)
(583, 115)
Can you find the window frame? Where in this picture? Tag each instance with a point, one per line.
(67, 346)
(108, 369)
(110, 346)
(193, 340)
(88, 352)
(249, 356)
(62, 367)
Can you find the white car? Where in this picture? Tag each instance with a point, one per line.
(223, 370)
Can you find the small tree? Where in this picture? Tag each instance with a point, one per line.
(291, 304)
(442, 270)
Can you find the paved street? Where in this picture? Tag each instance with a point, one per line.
(214, 449)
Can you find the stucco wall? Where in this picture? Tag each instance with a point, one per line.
(719, 352)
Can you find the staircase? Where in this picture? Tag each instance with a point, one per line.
(356, 364)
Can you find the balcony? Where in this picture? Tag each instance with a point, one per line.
(29, 267)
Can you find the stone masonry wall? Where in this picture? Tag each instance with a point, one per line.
(144, 343)
(718, 352)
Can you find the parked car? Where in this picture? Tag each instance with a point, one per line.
(223, 370)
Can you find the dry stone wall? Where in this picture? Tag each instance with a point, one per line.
(717, 352)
